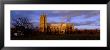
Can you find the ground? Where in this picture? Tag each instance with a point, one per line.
(85, 35)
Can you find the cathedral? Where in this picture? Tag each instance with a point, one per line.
(62, 27)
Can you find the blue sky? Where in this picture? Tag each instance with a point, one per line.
(82, 19)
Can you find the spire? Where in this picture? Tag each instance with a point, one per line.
(68, 19)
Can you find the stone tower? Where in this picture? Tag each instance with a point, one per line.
(70, 26)
(43, 22)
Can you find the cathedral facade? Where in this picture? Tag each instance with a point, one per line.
(61, 27)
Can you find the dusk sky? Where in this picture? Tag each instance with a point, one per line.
(82, 19)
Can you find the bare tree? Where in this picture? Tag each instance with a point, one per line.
(23, 26)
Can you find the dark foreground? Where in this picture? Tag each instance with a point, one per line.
(57, 37)
(77, 35)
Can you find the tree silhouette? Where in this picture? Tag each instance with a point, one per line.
(23, 25)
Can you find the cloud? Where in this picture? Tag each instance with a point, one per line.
(87, 27)
(84, 23)
(78, 17)
(73, 13)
